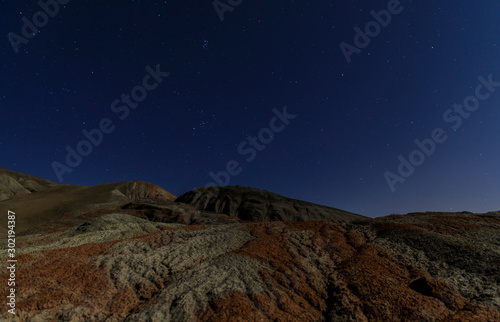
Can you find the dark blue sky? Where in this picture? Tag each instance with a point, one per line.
(225, 78)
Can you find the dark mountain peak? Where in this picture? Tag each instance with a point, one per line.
(253, 204)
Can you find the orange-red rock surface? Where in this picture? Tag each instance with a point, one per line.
(149, 258)
(123, 267)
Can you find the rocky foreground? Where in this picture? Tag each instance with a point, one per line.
(242, 254)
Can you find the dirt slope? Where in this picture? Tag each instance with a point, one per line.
(15, 183)
(49, 206)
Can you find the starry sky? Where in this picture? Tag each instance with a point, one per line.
(263, 91)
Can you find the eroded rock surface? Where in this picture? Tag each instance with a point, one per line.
(118, 267)
(131, 251)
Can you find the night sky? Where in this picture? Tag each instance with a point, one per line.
(221, 107)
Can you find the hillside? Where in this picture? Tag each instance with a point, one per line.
(15, 183)
(47, 207)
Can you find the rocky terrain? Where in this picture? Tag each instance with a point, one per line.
(134, 252)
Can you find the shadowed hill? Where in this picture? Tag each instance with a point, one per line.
(252, 204)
